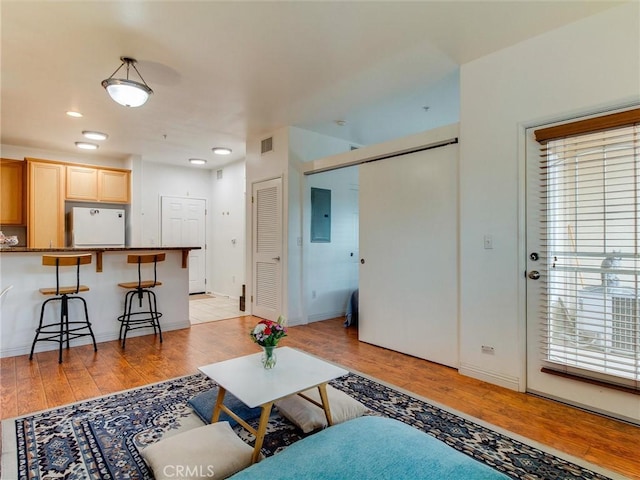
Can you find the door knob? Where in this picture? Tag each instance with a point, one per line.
(362, 261)
(534, 275)
(276, 258)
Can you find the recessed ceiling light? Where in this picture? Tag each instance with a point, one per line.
(71, 113)
(95, 135)
(221, 150)
(86, 145)
(197, 161)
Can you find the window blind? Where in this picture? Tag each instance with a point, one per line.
(589, 205)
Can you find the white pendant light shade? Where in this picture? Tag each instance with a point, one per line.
(128, 93)
(125, 91)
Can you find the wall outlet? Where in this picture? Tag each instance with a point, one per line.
(487, 349)
(488, 242)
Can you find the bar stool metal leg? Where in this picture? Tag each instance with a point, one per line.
(65, 329)
(132, 319)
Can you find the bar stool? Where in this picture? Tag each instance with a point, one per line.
(64, 330)
(132, 320)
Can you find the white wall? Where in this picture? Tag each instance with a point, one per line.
(304, 146)
(227, 220)
(580, 68)
(260, 167)
(408, 117)
(331, 269)
(292, 147)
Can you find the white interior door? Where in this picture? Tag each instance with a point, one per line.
(267, 249)
(409, 250)
(183, 224)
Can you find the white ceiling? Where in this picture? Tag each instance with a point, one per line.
(222, 71)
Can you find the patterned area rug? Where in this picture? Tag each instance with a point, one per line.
(102, 438)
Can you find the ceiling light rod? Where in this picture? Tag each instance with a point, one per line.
(125, 91)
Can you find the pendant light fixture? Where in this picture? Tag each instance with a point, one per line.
(125, 91)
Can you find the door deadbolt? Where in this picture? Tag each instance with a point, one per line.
(534, 256)
(362, 261)
(534, 275)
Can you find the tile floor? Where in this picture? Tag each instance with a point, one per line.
(209, 308)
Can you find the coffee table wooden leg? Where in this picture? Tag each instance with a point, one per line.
(262, 430)
(325, 402)
(219, 401)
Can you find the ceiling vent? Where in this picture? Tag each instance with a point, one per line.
(266, 145)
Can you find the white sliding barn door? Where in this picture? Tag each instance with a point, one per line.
(183, 225)
(409, 251)
(267, 249)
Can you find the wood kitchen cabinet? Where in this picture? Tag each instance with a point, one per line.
(45, 204)
(12, 192)
(114, 186)
(92, 184)
(81, 183)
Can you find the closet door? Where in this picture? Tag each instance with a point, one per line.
(267, 249)
(409, 254)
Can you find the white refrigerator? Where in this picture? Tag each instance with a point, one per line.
(97, 227)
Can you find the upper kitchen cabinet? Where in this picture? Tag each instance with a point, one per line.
(81, 183)
(45, 204)
(114, 186)
(93, 184)
(12, 192)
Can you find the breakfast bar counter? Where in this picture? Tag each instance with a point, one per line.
(22, 275)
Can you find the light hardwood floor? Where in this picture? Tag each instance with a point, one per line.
(42, 383)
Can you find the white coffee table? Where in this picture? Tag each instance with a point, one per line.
(256, 386)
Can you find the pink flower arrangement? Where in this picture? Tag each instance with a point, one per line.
(268, 333)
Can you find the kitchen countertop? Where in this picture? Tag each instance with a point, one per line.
(100, 250)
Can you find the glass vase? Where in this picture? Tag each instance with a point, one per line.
(269, 357)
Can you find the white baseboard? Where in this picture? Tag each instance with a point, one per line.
(100, 338)
(512, 383)
(318, 317)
